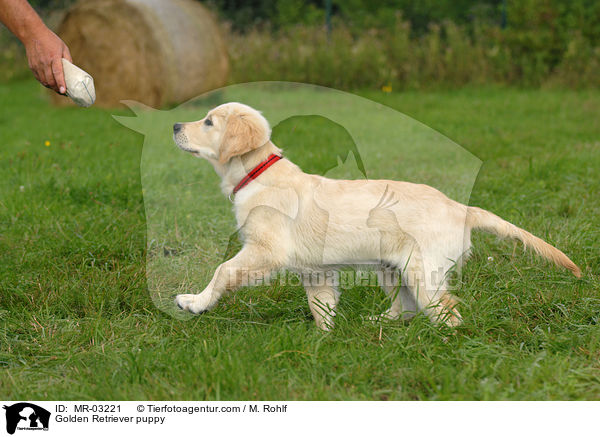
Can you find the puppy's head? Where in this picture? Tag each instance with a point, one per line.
(229, 130)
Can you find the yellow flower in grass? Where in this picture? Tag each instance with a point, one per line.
(47, 143)
(386, 88)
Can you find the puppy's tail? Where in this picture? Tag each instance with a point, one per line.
(478, 218)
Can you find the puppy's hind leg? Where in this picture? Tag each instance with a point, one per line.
(450, 315)
(434, 301)
(322, 301)
(403, 303)
(249, 267)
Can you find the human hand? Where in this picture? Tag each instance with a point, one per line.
(44, 53)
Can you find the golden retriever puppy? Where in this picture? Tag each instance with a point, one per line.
(304, 223)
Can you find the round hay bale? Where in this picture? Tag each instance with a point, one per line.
(156, 52)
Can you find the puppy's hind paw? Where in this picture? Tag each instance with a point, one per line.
(387, 315)
(191, 302)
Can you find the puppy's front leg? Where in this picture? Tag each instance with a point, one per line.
(248, 267)
(322, 301)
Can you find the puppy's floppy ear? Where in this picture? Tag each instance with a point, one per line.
(244, 132)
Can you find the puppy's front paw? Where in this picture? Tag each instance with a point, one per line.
(194, 303)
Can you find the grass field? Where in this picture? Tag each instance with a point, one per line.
(77, 320)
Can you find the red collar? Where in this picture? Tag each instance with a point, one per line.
(256, 171)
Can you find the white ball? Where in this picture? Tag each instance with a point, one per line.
(80, 85)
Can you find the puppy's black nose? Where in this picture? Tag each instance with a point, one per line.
(177, 127)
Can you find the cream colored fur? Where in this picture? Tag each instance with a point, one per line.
(310, 224)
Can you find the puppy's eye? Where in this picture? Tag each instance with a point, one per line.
(208, 122)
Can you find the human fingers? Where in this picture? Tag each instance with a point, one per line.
(59, 77)
(67, 54)
(48, 72)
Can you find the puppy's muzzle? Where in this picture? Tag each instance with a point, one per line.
(177, 128)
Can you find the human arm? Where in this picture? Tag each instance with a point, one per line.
(44, 48)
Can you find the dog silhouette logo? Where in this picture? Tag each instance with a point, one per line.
(26, 416)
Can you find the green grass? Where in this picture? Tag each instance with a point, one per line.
(77, 320)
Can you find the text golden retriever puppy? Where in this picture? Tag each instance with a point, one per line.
(312, 225)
